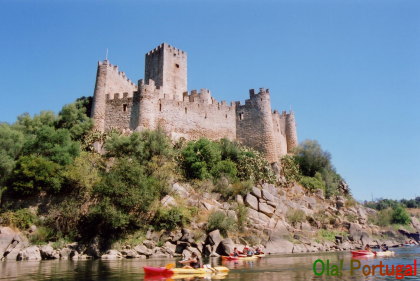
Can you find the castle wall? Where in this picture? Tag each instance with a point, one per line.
(291, 132)
(254, 124)
(119, 112)
(196, 116)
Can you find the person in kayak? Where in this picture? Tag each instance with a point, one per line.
(235, 252)
(250, 252)
(367, 248)
(192, 262)
(258, 251)
(384, 247)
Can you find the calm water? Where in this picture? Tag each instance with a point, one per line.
(271, 268)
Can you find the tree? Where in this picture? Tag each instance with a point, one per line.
(75, 118)
(400, 215)
(312, 158)
(11, 143)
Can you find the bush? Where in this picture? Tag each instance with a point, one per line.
(290, 169)
(242, 215)
(171, 218)
(22, 218)
(224, 168)
(218, 220)
(313, 183)
(253, 166)
(295, 216)
(42, 235)
(200, 157)
(400, 216)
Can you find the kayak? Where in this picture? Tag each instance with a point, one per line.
(365, 253)
(385, 254)
(149, 270)
(232, 258)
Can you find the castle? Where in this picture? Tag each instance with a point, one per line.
(162, 100)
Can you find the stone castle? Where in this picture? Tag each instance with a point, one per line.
(162, 100)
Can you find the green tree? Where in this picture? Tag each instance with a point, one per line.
(53, 144)
(312, 158)
(35, 173)
(11, 143)
(29, 125)
(74, 117)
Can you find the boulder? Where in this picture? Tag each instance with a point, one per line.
(31, 253)
(180, 190)
(214, 238)
(355, 232)
(266, 209)
(143, 250)
(129, 253)
(340, 202)
(256, 191)
(268, 196)
(18, 244)
(225, 247)
(48, 253)
(251, 201)
(112, 255)
(169, 248)
(6, 238)
(149, 244)
(168, 201)
(239, 199)
(278, 245)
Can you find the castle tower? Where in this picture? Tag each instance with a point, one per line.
(99, 97)
(291, 134)
(167, 66)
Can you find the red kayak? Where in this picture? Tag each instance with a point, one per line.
(162, 271)
(363, 253)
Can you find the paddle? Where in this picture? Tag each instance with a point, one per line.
(170, 266)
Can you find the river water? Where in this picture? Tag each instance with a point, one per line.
(270, 268)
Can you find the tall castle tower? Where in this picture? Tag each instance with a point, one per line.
(167, 66)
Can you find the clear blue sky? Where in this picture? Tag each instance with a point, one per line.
(349, 69)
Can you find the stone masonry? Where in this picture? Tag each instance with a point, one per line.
(162, 100)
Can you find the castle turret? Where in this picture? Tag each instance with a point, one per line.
(148, 104)
(291, 134)
(255, 124)
(99, 97)
(109, 81)
(167, 66)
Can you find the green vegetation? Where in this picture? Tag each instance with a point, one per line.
(389, 216)
(311, 166)
(218, 220)
(295, 216)
(328, 235)
(382, 204)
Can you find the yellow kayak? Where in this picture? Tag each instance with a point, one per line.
(215, 269)
(231, 258)
(385, 254)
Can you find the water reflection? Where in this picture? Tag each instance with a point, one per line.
(270, 268)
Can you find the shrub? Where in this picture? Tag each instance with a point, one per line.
(218, 220)
(200, 157)
(242, 216)
(224, 168)
(22, 218)
(290, 169)
(328, 235)
(253, 166)
(295, 216)
(171, 218)
(400, 216)
(42, 235)
(313, 183)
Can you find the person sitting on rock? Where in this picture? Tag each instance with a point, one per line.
(192, 262)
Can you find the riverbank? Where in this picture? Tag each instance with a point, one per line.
(278, 219)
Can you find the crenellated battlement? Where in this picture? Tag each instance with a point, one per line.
(166, 46)
(162, 99)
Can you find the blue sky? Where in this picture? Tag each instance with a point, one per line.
(349, 69)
